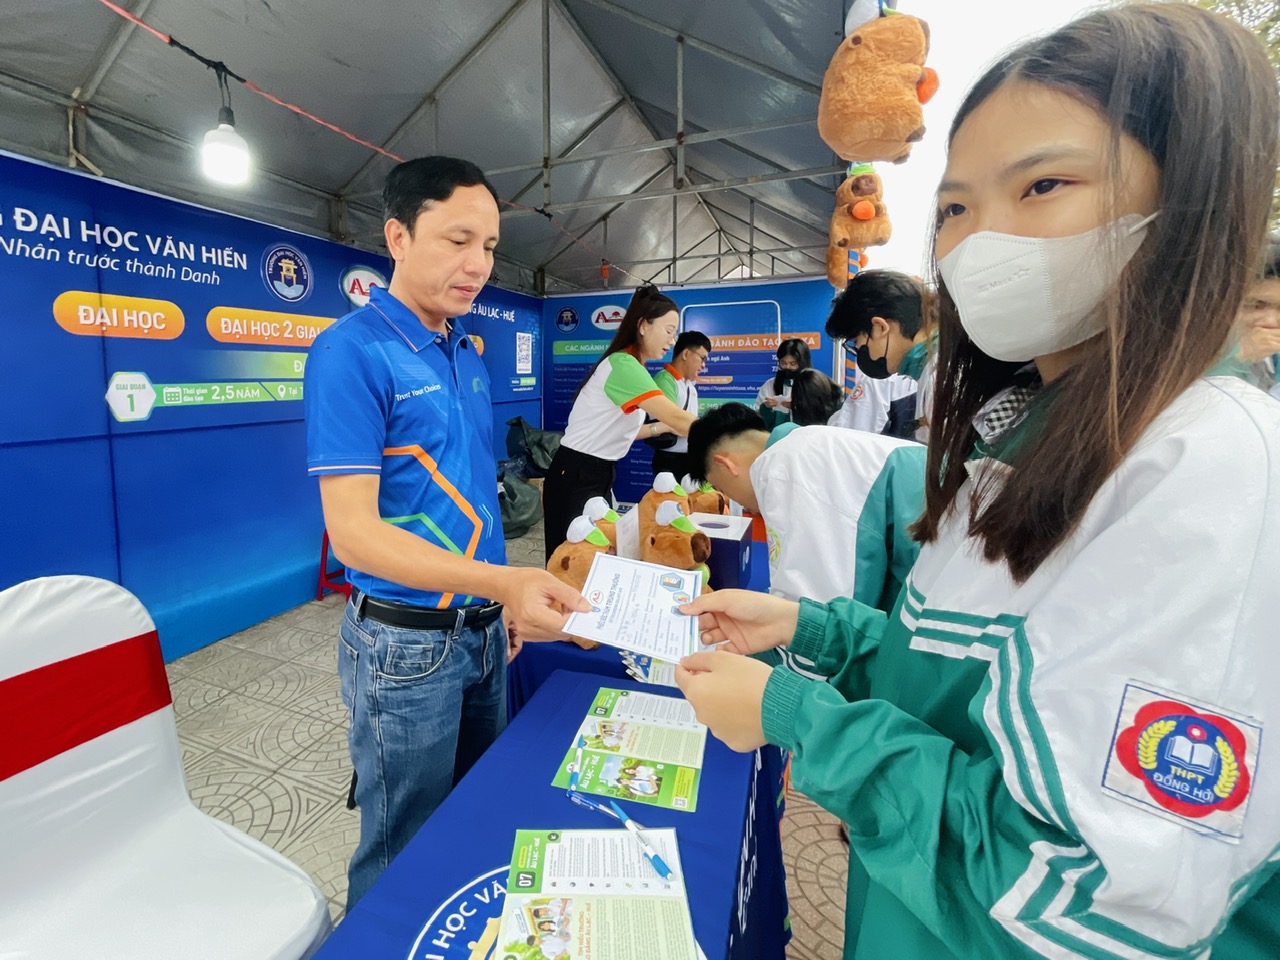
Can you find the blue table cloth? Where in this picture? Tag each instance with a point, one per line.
(436, 899)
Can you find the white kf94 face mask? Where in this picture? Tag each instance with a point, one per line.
(1025, 297)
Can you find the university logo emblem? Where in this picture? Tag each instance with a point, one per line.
(287, 273)
(465, 927)
(609, 317)
(1188, 761)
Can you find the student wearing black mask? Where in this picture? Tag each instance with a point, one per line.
(773, 402)
(879, 314)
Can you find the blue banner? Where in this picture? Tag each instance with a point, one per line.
(153, 363)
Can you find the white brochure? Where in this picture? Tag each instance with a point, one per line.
(635, 606)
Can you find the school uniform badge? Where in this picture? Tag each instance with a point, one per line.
(1188, 762)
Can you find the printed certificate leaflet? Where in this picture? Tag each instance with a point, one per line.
(640, 747)
(635, 606)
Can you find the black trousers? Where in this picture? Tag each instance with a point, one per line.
(572, 480)
(664, 461)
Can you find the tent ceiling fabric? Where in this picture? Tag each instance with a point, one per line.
(462, 77)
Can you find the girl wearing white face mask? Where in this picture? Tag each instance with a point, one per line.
(1053, 746)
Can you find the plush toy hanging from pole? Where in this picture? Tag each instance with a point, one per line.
(843, 265)
(876, 84)
(860, 220)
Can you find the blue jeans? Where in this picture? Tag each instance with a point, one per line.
(423, 706)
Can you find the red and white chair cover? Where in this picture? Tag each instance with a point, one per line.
(102, 853)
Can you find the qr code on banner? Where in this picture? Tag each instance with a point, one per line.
(524, 353)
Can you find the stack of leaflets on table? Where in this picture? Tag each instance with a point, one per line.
(661, 673)
(591, 895)
(637, 746)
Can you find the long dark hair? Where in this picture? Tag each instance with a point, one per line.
(815, 398)
(1197, 93)
(792, 347)
(647, 304)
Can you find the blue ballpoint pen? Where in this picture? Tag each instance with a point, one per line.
(576, 775)
(650, 854)
(590, 804)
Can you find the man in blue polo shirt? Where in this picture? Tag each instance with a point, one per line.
(399, 432)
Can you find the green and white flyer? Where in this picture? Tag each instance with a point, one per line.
(591, 895)
(638, 746)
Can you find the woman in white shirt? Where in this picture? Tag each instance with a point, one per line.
(773, 401)
(609, 412)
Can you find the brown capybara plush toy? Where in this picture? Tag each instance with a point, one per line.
(704, 498)
(674, 541)
(876, 85)
(571, 561)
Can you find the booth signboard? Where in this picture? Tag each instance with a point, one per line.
(153, 367)
(745, 322)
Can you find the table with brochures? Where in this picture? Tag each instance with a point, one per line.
(442, 897)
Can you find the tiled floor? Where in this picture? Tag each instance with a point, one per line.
(264, 745)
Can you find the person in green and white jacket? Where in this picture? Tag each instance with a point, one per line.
(836, 503)
(882, 312)
(1053, 746)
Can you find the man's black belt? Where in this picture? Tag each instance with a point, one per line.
(425, 618)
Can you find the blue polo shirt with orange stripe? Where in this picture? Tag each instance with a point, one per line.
(384, 395)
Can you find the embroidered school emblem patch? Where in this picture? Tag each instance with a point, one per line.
(1189, 762)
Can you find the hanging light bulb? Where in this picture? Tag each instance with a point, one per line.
(224, 156)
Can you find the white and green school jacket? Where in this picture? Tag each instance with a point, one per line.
(1074, 766)
(837, 505)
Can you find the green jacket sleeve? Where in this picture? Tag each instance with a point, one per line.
(930, 823)
(885, 551)
(840, 639)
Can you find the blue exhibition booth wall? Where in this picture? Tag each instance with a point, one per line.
(153, 430)
(745, 322)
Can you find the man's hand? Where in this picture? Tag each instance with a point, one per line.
(744, 620)
(727, 694)
(534, 601)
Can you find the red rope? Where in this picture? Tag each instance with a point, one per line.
(132, 19)
(137, 21)
(311, 116)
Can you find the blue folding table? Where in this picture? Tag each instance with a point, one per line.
(436, 899)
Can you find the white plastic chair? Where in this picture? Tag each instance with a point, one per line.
(102, 853)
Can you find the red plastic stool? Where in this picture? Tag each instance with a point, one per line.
(335, 580)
